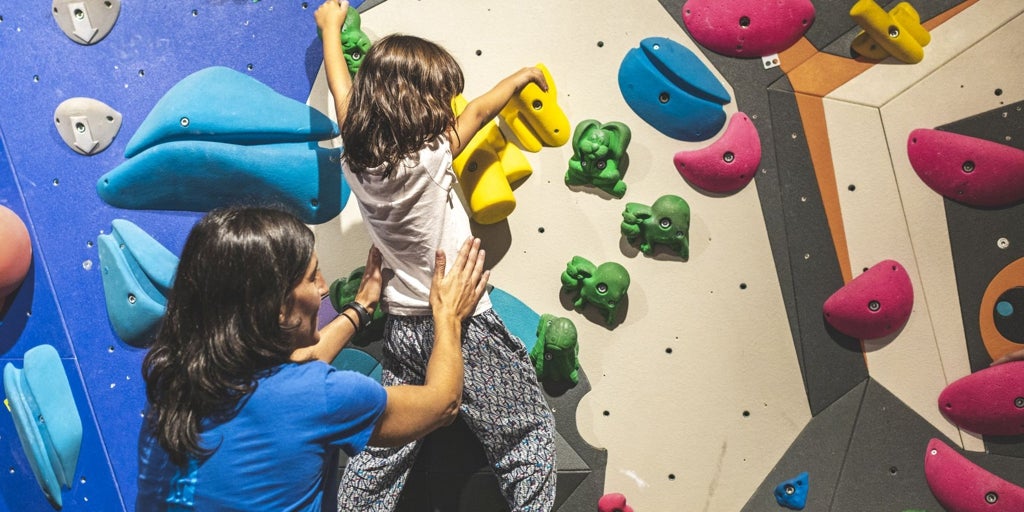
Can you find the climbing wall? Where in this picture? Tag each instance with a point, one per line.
(720, 378)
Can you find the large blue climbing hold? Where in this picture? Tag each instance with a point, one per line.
(672, 90)
(219, 137)
(220, 104)
(792, 493)
(137, 274)
(46, 419)
(199, 176)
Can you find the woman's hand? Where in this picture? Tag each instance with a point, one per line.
(330, 16)
(455, 294)
(369, 287)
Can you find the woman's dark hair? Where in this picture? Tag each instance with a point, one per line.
(400, 100)
(221, 330)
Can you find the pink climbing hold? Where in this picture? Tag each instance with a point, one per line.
(874, 304)
(613, 502)
(727, 164)
(960, 485)
(747, 28)
(15, 252)
(989, 402)
(966, 169)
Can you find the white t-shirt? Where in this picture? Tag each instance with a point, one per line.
(409, 214)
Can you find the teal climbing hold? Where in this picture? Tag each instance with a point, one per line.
(204, 145)
(46, 419)
(137, 275)
(356, 360)
(199, 176)
(520, 319)
(672, 90)
(222, 105)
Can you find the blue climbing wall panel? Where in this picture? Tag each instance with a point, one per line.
(151, 47)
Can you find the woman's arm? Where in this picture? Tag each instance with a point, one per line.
(483, 109)
(336, 334)
(330, 17)
(414, 411)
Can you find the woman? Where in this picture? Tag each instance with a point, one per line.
(245, 410)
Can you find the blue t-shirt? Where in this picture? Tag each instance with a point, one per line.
(272, 455)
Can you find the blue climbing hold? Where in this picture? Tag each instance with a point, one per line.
(46, 419)
(356, 360)
(206, 145)
(222, 105)
(672, 90)
(520, 319)
(137, 275)
(792, 493)
(199, 176)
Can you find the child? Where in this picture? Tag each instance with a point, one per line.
(400, 135)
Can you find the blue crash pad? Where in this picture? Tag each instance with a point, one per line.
(672, 90)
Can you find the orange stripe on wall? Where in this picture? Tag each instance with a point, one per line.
(813, 75)
(812, 112)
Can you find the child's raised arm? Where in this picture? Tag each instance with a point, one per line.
(483, 109)
(330, 16)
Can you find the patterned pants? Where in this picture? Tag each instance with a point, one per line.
(501, 402)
